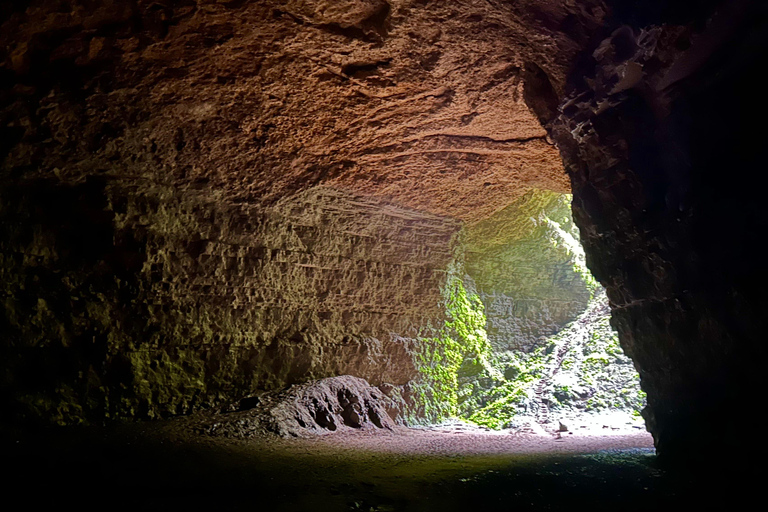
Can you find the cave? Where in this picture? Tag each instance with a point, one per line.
(282, 214)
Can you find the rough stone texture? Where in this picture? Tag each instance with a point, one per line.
(659, 140)
(233, 105)
(327, 405)
(414, 100)
(552, 349)
(524, 263)
(311, 287)
(201, 199)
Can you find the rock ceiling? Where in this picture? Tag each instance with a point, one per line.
(419, 103)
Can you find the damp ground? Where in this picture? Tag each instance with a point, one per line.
(447, 467)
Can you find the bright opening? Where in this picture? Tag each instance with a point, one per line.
(527, 343)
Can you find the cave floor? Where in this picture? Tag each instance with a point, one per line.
(159, 466)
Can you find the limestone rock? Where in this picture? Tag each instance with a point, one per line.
(202, 199)
(524, 261)
(319, 407)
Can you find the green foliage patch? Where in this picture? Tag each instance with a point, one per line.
(462, 339)
(583, 365)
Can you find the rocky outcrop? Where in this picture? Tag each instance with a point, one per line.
(324, 406)
(655, 135)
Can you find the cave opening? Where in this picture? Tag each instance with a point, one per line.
(527, 343)
(274, 219)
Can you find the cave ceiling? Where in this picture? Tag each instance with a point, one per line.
(419, 103)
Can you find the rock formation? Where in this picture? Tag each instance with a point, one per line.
(551, 348)
(200, 199)
(327, 405)
(654, 132)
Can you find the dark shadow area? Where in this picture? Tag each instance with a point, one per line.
(130, 467)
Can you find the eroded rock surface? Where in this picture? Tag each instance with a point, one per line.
(654, 134)
(422, 102)
(166, 168)
(203, 199)
(527, 266)
(327, 405)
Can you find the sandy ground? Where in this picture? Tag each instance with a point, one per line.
(585, 434)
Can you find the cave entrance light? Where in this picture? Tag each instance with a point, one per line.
(528, 343)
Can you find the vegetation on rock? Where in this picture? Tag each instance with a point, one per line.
(460, 341)
(580, 368)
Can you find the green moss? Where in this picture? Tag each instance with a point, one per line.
(594, 362)
(460, 343)
(530, 249)
(505, 401)
(168, 380)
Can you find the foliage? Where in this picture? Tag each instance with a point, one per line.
(592, 371)
(514, 395)
(461, 339)
(582, 367)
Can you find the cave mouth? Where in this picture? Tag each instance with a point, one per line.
(520, 343)
(527, 343)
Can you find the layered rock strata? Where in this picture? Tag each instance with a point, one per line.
(201, 199)
(176, 301)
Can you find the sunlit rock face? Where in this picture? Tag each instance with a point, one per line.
(524, 263)
(201, 199)
(412, 100)
(654, 133)
(550, 346)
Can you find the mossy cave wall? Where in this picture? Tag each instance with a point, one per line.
(205, 199)
(220, 300)
(200, 198)
(522, 263)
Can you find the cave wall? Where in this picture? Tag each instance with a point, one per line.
(205, 198)
(658, 134)
(187, 309)
(141, 139)
(150, 302)
(261, 99)
(526, 265)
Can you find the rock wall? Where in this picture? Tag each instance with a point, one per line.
(259, 99)
(551, 350)
(657, 134)
(526, 265)
(145, 302)
(201, 197)
(140, 138)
